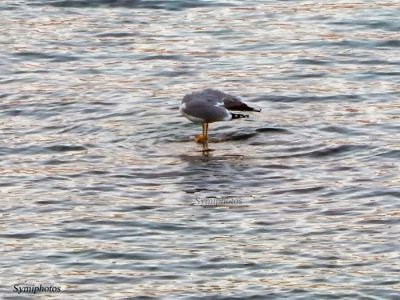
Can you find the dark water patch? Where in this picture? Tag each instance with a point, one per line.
(47, 179)
(99, 188)
(224, 265)
(9, 80)
(336, 212)
(104, 103)
(146, 4)
(272, 130)
(19, 235)
(22, 150)
(386, 25)
(269, 223)
(384, 73)
(137, 207)
(6, 184)
(382, 220)
(12, 112)
(387, 282)
(38, 71)
(55, 162)
(124, 176)
(377, 62)
(51, 127)
(46, 56)
(163, 57)
(66, 148)
(309, 61)
(308, 75)
(116, 34)
(143, 207)
(168, 277)
(378, 193)
(387, 220)
(390, 154)
(126, 256)
(48, 202)
(351, 44)
(388, 44)
(173, 73)
(80, 129)
(335, 295)
(277, 167)
(299, 190)
(97, 172)
(77, 231)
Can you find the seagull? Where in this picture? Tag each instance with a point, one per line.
(211, 105)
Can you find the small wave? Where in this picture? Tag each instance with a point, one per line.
(327, 152)
(332, 151)
(237, 136)
(272, 130)
(341, 130)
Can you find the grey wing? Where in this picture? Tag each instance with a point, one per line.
(212, 96)
(230, 102)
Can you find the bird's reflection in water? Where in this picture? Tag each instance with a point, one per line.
(206, 155)
(206, 151)
(210, 172)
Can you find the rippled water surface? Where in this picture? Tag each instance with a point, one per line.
(103, 189)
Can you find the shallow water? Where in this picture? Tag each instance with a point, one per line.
(104, 193)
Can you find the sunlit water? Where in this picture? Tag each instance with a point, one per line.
(101, 181)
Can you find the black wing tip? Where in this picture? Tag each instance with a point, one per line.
(238, 116)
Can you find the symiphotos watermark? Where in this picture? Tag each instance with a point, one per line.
(219, 201)
(35, 289)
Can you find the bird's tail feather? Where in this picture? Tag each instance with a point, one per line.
(238, 116)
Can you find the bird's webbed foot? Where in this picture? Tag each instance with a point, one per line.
(200, 138)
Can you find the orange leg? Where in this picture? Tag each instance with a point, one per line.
(202, 138)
